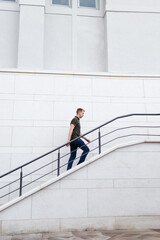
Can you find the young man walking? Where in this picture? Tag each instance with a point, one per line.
(74, 132)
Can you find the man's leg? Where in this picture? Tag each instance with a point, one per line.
(73, 151)
(85, 149)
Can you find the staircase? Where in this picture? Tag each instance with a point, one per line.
(83, 185)
(105, 136)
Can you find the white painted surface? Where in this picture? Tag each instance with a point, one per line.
(117, 37)
(32, 2)
(39, 104)
(90, 44)
(74, 38)
(37, 107)
(81, 204)
(31, 36)
(131, 45)
(133, 5)
(58, 42)
(9, 29)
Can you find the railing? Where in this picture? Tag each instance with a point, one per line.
(58, 160)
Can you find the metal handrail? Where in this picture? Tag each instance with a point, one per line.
(99, 138)
(114, 119)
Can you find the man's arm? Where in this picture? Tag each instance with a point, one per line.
(70, 133)
(86, 139)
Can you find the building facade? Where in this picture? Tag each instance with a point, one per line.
(78, 35)
(56, 56)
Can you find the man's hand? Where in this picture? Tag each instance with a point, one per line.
(86, 139)
(68, 143)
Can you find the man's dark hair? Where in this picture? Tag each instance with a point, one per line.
(79, 110)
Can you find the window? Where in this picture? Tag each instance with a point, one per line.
(88, 3)
(61, 2)
(9, 0)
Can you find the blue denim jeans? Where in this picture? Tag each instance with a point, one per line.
(73, 148)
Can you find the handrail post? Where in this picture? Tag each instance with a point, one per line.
(58, 167)
(99, 140)
(21, 177)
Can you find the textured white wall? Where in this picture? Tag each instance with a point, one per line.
(120, 36)
(133, 42)
(110, 193)
(133, 36)
(52, 37)
(58, 42)
(31, 35)
(74, 38)
(90, 44)
(9, 29)
(36, 109)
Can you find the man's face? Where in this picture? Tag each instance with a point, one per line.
(81, 114)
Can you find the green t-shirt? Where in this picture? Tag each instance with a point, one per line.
(77, 129)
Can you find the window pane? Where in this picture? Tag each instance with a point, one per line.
(9, 0)
(87, 3)
(61, 2)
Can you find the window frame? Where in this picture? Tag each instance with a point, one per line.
(8, 1)
(96, 8)
(61, 5)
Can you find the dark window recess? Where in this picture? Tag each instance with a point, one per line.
(88, 3)
(61, 2)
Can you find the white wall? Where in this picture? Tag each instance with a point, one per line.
(9, 28)
(117, 37)
(45, 36)
(58, 42)
(83, 52)
(74, 38)
(133, 36)
(90, 44)
(133, 42)
(118, 191)
(36, 109)
(31, 34)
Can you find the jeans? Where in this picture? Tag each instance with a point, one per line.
(73, 148)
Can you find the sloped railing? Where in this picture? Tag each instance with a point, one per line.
(99, 142)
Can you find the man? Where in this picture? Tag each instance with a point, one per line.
(74, 132)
